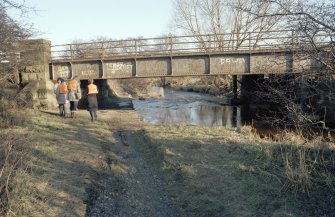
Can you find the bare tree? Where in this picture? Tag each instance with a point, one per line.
(11, 33)
(229, 22)
(304, 100)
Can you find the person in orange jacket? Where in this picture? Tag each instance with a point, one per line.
(74, 94)
(61, 90)
(92, 91)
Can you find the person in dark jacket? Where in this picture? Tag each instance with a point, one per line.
(92, 91)
(61, 90)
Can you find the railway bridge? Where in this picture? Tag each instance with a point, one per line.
(181, 56)
(251, 53)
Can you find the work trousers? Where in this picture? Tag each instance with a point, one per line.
(94, 115)
(62, 112)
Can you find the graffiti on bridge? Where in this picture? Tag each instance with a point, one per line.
(231, 61)
(114, 68)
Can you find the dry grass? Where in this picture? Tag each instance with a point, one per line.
(207, 171)
(219, 172)
(58, 158)
(12, 150)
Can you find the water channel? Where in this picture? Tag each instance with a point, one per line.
(189, 108)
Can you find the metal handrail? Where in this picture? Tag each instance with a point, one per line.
(174, 45)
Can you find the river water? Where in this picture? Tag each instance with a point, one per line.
(189, 108)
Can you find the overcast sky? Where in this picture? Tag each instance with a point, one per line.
(63, 21)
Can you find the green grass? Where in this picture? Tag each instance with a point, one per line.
(219, 172)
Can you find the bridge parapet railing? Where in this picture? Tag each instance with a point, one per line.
(183, 45)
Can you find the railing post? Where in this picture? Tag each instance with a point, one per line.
(135, 47)
(71, 52)
(209, 43)
(103, 50)
(249, 41)
(170, 41)
(292, 37)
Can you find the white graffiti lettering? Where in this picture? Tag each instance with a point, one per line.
(117, 67)
(229, 61)
(63, 72)
(90, 72)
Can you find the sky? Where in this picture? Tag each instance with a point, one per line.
(64, 21)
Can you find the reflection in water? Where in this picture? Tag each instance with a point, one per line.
(188, 108)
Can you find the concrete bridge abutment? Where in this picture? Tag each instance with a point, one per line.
(34, 73)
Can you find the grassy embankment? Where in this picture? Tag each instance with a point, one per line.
(50, 164)
(219, 172)
(207, 171)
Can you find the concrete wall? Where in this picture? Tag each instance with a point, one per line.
(35, 58)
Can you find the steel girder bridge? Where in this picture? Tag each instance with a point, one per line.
(271, 52)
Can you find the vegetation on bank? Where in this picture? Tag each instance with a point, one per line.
(219, 172)
(46, 162)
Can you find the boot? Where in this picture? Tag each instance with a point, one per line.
(92, 116)
(60, 110)
(95, 115)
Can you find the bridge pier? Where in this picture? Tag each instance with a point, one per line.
(35, 58)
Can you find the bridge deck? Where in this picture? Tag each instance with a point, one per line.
(182, 56)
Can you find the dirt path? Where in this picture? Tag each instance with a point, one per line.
(80, 168)
(126, 184)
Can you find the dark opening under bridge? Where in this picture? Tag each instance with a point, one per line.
(224, 54)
